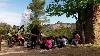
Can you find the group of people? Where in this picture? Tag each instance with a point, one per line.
(15, 39)
(50, 42)
(53, 41)
(35, 39)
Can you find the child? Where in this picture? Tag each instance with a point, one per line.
(25, 44)
(54, 42)
(65, 41)
(43, 43)
(59, 42)
(21, 39)
(49, 43)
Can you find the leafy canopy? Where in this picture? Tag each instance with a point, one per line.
(68, 7)
(4, 28)
(37, 9)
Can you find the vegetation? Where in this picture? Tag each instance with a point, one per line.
(4, 28)
(69, 7)
(60, 31)
(82, 10)
(37, 9)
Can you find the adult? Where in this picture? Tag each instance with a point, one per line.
(35, 32)
(76, 38)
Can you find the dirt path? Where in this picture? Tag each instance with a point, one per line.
(67, 51)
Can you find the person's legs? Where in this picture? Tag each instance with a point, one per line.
(32, 42)
(35, 42)
(34, 45)
(22, 42)
(75, 42)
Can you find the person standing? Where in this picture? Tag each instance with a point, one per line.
(35, 32)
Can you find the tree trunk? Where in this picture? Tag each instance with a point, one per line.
(85, 24)
(79, 26)
(97, 23)
(89, 25)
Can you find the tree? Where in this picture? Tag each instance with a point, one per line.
(85, 9)
(37, 9)
(14, 29)
(4, 29)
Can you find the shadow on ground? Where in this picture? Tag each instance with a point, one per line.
(67, 51)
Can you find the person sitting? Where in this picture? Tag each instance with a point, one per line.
(76, 38)
(43, 43)
(49, 43)
(58, 42)
(21, 39)
(25, 43)
(54, 41)
(65, 40)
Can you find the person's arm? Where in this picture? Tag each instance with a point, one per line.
(77, 36)
(34, 34)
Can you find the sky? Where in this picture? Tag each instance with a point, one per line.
(11, 12)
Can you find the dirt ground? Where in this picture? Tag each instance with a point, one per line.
(66, 51)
